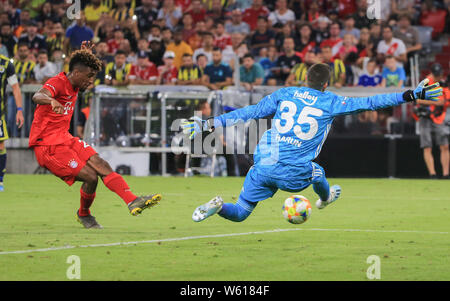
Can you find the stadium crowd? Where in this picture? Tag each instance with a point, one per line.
(206, 42)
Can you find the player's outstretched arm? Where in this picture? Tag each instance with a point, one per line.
(346, 105)
(44, 97)
(267, 106)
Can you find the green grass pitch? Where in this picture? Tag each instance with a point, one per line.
(404, 222)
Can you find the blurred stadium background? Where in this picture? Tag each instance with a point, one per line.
(238, 51)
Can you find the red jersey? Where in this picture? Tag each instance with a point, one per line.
(49, 128)
(169, 76)
(198, 16)
(148, 73)
(250, 15)
(223, 41)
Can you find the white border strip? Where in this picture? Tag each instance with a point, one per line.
(212, 236)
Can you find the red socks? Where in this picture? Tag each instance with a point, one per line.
(86, 201)
(117, 184)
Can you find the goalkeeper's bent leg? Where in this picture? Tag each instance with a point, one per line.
(322, 188)
(237, 212)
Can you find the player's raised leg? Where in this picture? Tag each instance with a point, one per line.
(117, 184)
(326, 194)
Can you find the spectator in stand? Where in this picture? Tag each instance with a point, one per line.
(408, 35)
(76, 34)
(93, 11)
(101, 50)
(402, 7)
(348, 46)
(167, 73)
(263, 37)
(217, 75)
(183, 4)
(285, 63)
(365, 44)
(251, 73)
(370, 78)
(170, 13)
(197, 11)
(34, 40)
(143, 45)
(346, 7)
(208, 45)
(202, 61)
(143, 72)
(155, 33)
(312, 14)
(179, 47)
(117, 73)
(337, 67)
(44, 69)
(13, 12)
(113, 44)
(236, 24)
(322, 32)
(216, 11)
(282, 14)
(237, 50)
(285, 32)
(166, 36)
(391, 46)
(121, 13)
(335, 40)
(297, 76)
(360, 16)
(189, 73)
(305, 40)
(55, 40)
(146, 14)
(252, 14)
(24, 19)
(349, 28)
(221, 39)
(269, 62)
(156, 52)
(196, 40)
(8, 39)
(393, 74)
(188, 29)
(23, 65)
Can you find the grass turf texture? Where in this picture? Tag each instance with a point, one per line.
(38, 211)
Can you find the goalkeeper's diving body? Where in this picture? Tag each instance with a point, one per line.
(284, 156)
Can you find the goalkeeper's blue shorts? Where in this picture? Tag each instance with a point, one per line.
(259, 185)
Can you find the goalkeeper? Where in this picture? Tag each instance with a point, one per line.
(283, 157)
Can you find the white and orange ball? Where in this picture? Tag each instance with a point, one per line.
(296, 209)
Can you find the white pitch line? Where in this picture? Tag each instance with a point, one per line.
(212, 236)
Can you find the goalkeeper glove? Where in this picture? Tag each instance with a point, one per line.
(424, 91)
(196, 125)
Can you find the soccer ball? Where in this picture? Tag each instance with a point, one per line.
(296, 209)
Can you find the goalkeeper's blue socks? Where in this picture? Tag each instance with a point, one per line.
(237, 212)
(322, 189)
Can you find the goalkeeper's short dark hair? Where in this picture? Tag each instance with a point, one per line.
(318, 75)
(84, 58)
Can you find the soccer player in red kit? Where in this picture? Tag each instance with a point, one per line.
(69, 157)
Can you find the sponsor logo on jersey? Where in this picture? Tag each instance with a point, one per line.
(305, 98)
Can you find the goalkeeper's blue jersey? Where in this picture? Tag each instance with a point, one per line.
(302, 121)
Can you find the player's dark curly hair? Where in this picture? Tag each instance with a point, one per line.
(85, 58)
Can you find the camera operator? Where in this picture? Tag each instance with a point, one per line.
(431, 118)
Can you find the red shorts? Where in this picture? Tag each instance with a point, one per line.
(65, 160)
